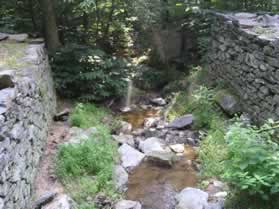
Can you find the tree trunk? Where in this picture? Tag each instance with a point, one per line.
(51, 31)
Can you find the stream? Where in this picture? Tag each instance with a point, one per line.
(154, 185)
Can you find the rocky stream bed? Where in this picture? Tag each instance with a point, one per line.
(158, 166)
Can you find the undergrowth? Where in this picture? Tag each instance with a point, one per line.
(197, 99)
(244, 156)
(86, 169)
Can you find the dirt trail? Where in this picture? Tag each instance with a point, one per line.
(46, 179)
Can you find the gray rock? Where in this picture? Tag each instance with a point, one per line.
(125, 127)
(63, 115)
(78, 135)
(151, 122)
(191, 198)
(19, 37)
(215, 205)
(127, 204)
(158, 101)
(178, 148)
(151, 145)
(120, 178)
(3, 36)
(61, 202)
(161, 158)
(44, 199)
(1, 203)
(130, 157)
(124, 139)
(228, 102)
(181, 122)
(6, 80)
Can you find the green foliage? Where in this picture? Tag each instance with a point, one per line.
(200, 103)
(86, 169)
(213, 150)
(253, 160)
(89, 74)
(94, 157)
(87, 115)
(147, 78)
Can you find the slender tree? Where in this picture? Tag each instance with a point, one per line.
(50, 25)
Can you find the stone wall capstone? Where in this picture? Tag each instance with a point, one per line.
(244, 53)
(27, 104)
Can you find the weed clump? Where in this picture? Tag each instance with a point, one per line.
(86, 168)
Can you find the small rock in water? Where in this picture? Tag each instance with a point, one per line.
(130, 157)
(158, 101)
(125, 109)
(125, 127)
(161, 158)
(61, 202)
(120, 178)
(44, 199)
(152, 144)
(127, 204)
(192, 198)
(177, 148)
(181, 122)
(151, 122)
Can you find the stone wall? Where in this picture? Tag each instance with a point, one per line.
(27, 103)
(244, 53)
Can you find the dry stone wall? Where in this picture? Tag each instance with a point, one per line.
(27, 103)
(244, 53)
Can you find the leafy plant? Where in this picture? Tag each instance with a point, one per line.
(89, 74)
(253, 160)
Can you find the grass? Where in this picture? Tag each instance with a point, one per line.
(86, 169)
(10, 54)
(213, 151)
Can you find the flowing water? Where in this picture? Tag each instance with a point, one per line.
(155, 187)
(137, 117)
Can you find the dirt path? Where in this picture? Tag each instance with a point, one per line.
(46, 179)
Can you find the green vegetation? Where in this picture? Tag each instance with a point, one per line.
(86, 115)
(198, 100)
(89, 74)
(86, 169)
(213, 150)
(253, 160)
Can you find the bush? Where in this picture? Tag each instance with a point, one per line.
(253, 160)
(89, 74)
(147, 78)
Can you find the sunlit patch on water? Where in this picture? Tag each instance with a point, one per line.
(137, 117)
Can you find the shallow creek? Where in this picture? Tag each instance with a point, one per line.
(155, 186)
